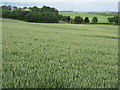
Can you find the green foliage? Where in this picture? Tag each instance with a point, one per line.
(33, 17)
(49, 17)
(43, 15)
(110, 20)
(102, 19)
(35, 9)
(78, 20)
(86, 20)
(68, 18)
(116, 19)
(48, 9)
(62, 18)
(95, 20)
(6, 7)
(15, 8)
(18, 14)
(59, 55)
(47, 14)
(24, 8)
(6, 13)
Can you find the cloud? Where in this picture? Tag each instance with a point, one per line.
(60, 0)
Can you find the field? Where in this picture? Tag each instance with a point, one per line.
(59, 55)
(101, 19)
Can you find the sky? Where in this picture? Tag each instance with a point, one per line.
(68, 5)
(60, 0)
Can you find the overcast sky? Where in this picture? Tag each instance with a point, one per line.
(68, 5)
(59, 0)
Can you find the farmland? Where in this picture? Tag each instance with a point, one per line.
(102, 19)
(58, 55)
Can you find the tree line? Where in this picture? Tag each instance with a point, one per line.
(113, 19)
(32, 14)
(46, 14)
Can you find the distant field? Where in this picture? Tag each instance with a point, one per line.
(102, 19)
(59, 55)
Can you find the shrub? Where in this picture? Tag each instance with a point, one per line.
(110, 20)
(60, 17)
(32, 17)
(6, 13)
(18, 14)
(95, 20)
(14, 8)
(116, 20)
(49, 17)
(35, 8)
(68, 18)
(64, 18)
(6, 7)
(45, 17)
(86, 20)
(78, 20)
(48, 9)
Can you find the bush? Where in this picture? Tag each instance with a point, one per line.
(68, 18)
(64, 18)
(95, 20)
(113, 19)
(6, 13)
(6, 7)
(110, 20)
(45, 17)
(48, 9)
(60, 17)
(18, 14)
(49, 17)
(116, 20)
(35, 8)
(32, 17)
(45, 14)
(86, 20)
(78, 20)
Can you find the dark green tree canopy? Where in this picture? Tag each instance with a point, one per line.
(68, 18)
(48, 9)
(24, 8)
(78, 20)
(111, 20)
(86, 20)
(7, 7)
(35, 8)
(95, 20)
(44, 15)
(114, 20)
(117, 20)
(15, 8)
